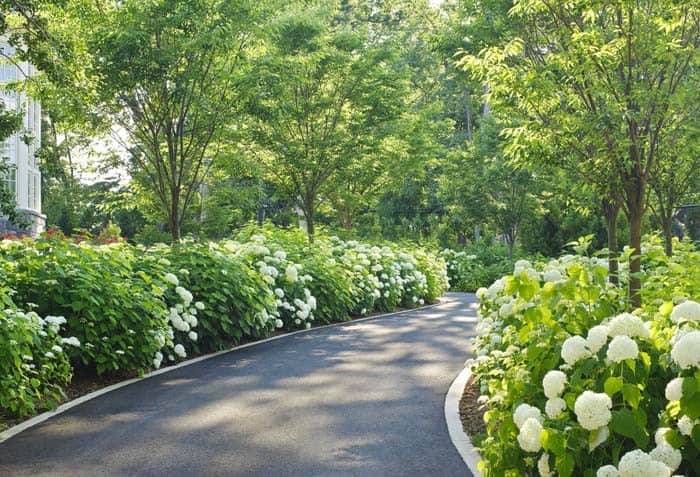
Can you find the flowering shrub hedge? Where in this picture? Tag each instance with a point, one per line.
(477, 266)
(576, 385)
(114, 307)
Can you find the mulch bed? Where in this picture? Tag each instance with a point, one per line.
(470, 411)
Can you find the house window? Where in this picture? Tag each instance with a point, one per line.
(8, 179)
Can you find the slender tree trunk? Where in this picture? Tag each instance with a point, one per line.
(667, 224)
(174, 219)
(347, 219)
(635, 261)
(611, 210)
(309, 216)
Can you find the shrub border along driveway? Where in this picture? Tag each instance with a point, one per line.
(14, 430)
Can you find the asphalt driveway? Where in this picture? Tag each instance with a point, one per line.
(360, 399)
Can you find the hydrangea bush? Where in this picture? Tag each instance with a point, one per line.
(576, 385)
(130, 309)
(477, 266)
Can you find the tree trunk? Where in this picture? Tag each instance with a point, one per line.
(347, 219)
(611, 210)
(667, 224)
(174, 226)
(635, 286)
(174, 219)
(309, 216)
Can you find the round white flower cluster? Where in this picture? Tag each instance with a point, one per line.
(553, 384)
(621, 348)
(629, 325)
(185, 295)
(574, 349)
(530, 435)
(554, 407)
(596, 338)
(686, 352)
(686, 425)
(686, 311)
(666, 454)
(72, 341)
(552, 276)
(593, 410)
(674, 389)
(524, 412)
(638, 463)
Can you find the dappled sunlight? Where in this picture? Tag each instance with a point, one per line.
(333, 401)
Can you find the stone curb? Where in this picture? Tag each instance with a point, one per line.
(460, 439)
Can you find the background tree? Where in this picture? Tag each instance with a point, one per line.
(323, 96)
(169, 75)
(614, 74)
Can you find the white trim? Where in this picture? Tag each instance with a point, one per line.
(14, 430)
(460, 439)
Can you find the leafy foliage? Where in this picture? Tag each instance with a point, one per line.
(563, 315)
(129, 309)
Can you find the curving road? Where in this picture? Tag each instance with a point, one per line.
(359, 399)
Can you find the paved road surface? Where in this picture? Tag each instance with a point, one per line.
(361, 399)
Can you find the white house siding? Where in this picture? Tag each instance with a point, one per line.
(25, 176)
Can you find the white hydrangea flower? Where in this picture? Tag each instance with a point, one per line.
(170, 277)
(521, 265)
(72, 341)
(157, 360)
(660, 435)
(199, 305)
(481, 294)
(686, 425)
(279, 292)
(496, 288)
(674, 389)
(506, 310)
(552, 276)
(629, 325)
(686, 352)
(686, 311)
(638, 463)
(621, 348)
(554, 383)
(529, 437)
(574, 349)
(593, 410)
(291, 274)
(185, 295)
(543, 466)
(524, 412)
(180, 350)
(279, 323)
(554, 407)
(192, 335)
(666, 454)
(597, 337)
(607, 471)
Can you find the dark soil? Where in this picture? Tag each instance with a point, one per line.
(470, 411)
